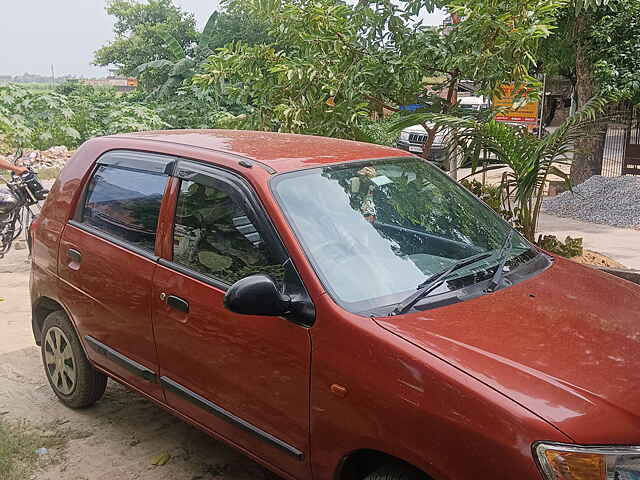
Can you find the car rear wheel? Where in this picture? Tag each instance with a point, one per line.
(73, 379)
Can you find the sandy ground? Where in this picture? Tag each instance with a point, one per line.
(118, 438)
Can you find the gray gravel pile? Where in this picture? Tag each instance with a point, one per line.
(608, 200)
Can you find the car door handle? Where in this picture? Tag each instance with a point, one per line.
(75, 258)
(178, 303)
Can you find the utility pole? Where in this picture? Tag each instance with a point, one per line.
(53, 77)
(542, 105)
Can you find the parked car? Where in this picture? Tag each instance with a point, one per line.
(474, 104)
(335, 310)
(412, 139)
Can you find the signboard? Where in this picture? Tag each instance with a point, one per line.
(526, 114)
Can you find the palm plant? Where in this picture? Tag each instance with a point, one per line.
(530, 159)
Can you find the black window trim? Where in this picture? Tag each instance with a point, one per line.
(137, 160)
(189, 272)
(115, 240)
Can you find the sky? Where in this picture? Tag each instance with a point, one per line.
(35, 34)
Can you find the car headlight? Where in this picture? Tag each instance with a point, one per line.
(571, 462)
(404, 136)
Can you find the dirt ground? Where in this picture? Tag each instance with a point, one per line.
(594, 258)
(121, 437)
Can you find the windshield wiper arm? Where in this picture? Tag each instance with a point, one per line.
(496, 280)
(434, 281)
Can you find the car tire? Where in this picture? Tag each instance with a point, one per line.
(396, 472)
(72, 378)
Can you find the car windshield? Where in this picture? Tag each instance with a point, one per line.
(374, 231)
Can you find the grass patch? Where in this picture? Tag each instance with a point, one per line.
(17, 450)
(50, 173)
(18, 444)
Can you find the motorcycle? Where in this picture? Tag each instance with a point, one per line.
(19, 207)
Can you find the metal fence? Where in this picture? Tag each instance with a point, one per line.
(619, 145)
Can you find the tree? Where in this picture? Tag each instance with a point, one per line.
(592, 59)
(341, 61)
(141, 29)
(232, 25)
(615, 49)
(181, 65)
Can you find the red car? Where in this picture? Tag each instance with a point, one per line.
(336, 310)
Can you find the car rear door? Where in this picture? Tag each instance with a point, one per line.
(245, 378)
(107, 258)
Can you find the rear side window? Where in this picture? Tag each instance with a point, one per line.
(125, 204)
(213, 235)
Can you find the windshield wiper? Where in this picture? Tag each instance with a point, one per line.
(434, 281)
(496, 280)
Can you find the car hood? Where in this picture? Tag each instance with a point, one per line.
(564, 344)
(417, 128)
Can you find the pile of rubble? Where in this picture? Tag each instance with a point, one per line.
(55, 157)
(607, 200)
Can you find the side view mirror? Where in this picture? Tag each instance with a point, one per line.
(256, 295)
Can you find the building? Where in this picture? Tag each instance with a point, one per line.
(121, 84)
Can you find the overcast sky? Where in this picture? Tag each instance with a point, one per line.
(34, 34)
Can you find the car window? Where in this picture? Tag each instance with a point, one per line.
(125, 203)
(376, 230)
(213, 235)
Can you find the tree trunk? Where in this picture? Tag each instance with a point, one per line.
(585, 160)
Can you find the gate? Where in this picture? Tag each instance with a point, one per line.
(621, 147)
(631, 162)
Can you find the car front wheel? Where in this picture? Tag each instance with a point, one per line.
(399, 472)
(73, 379)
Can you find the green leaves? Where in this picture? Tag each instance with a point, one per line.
(581, 5)
(209, 30)
(214, 261)
(44, 119)
(498, 41)
(145, 32)
(329, 65)
(615, 48)
(35, 119)
(172, 45)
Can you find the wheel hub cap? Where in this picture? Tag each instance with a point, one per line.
(59, 361)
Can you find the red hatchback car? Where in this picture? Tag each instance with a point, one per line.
(336, 310)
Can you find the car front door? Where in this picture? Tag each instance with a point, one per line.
(106, 263)
(245, 378)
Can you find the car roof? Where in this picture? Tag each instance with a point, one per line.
(280, 151)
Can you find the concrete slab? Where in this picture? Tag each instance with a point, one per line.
(620, 244)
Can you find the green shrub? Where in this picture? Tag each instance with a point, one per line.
(378, 131)
(571, 247)
(30, 119)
